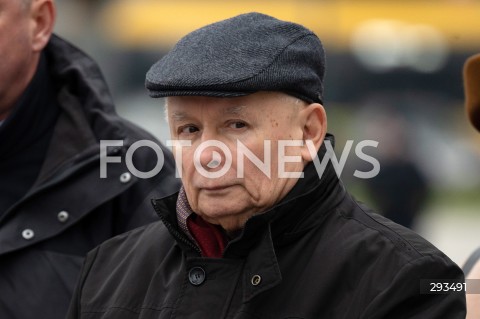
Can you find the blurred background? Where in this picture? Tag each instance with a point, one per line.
(393, 76)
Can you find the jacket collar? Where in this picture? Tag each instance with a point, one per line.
(87, 109)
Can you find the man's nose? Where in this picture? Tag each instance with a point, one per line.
(213, 159)
(210, 155)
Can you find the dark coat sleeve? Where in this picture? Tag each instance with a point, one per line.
(75, 308)
(403, 298)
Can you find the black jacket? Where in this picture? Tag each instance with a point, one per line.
(316, 254)
(70, 209)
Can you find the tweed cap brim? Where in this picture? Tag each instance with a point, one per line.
(239, 56)
(471, 78)
(197, 92)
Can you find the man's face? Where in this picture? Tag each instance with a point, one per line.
(16, 56)
(228, 199)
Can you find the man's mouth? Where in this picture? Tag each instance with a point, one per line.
(215, 188)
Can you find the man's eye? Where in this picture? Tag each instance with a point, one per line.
(188, 129)
(238, 125)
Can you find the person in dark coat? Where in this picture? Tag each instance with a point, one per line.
(260, 228)
(400, 190)
(471, 80)
(55, 109)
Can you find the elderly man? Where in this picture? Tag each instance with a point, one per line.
(54, 206)
(260, 229)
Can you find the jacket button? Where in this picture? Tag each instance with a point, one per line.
(28, 234)
(63, 216)
(256, 279)
(196, 276)
(125, 177)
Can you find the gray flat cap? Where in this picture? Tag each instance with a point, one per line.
(239, 56)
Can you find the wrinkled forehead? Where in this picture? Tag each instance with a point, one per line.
(182, 114)
(179, 107)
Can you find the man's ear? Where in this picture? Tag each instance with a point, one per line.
(314, 129)
(42, 20)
